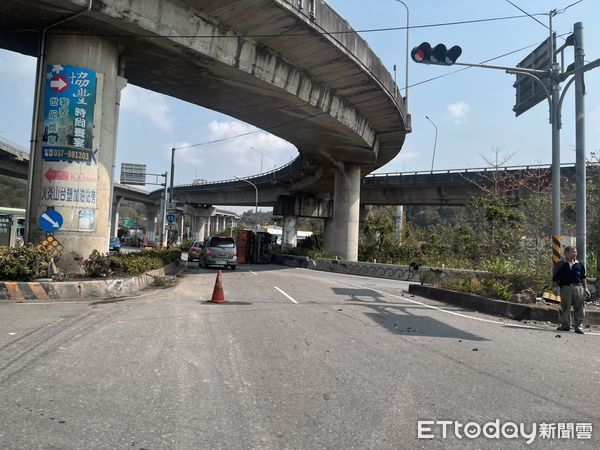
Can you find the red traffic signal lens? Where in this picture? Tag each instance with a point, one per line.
(421, 53)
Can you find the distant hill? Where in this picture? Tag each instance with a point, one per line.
(13, 192)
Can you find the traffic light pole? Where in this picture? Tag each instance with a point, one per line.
(556, 203)
(555, 99)
(440, 55)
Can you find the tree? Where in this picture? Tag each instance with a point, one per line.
(251, 218)
(13, 192)
(379, 236)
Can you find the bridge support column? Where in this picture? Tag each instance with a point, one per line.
(115, 215)
(289, 232)
(181, 228)
(202, 221)
(80, 79)
(346, 212)
(152, 222)
(202, 225)
(328, 236)
(399, 218)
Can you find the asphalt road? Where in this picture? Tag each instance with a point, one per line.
(297, 359)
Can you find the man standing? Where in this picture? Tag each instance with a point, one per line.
(569, 276)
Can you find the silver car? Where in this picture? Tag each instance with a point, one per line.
(218, 251)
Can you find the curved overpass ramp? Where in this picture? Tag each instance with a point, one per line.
(309, 80)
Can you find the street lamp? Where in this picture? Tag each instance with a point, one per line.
(255, 188)
(261, 158)
(406, 62)
(434, 142)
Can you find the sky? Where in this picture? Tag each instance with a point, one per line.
(472, 108)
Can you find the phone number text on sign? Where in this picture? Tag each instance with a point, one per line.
(61, 154)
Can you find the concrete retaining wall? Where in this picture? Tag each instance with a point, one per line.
(293, 261)
(80, 290)
(386, 271)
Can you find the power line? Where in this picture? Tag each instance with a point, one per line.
(273, 35)
(530, 15)
(560, 11)
(312, 116)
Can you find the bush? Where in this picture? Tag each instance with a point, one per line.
(505, 278)
(23, 263)
(100, 265)
(186, 244)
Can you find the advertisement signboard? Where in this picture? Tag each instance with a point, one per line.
(69, 162)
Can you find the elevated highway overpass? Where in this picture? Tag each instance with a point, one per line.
(284, 188)
(305, 76)
(453, 187)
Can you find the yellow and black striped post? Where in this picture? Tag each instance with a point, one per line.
(556, 249)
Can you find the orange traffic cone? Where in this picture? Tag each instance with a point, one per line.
(218, 296)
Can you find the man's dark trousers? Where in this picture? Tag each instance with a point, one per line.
(572, 295)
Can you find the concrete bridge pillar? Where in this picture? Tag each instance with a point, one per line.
(202, 228)
(399, 218)
(346, 213)
(152, 221)
(289, 232)
(74, 154)
(115, 215)
(181, 227)
(202, 221)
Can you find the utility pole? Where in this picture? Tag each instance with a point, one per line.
(555, 121)
(172, 174)
(580, 157)
(556, 204)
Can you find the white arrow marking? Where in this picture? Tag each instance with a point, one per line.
(58, 84)
(49, 219)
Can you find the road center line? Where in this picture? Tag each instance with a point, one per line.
(289, 297)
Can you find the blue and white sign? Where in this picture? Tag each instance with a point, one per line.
(171, 218)
(69, 155)
(69, 114)
(50, 220)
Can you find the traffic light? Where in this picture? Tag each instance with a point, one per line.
(439, 54)
(421, 53)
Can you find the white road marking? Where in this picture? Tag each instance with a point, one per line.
(253, 273)
(289, 297)
(466, 316)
